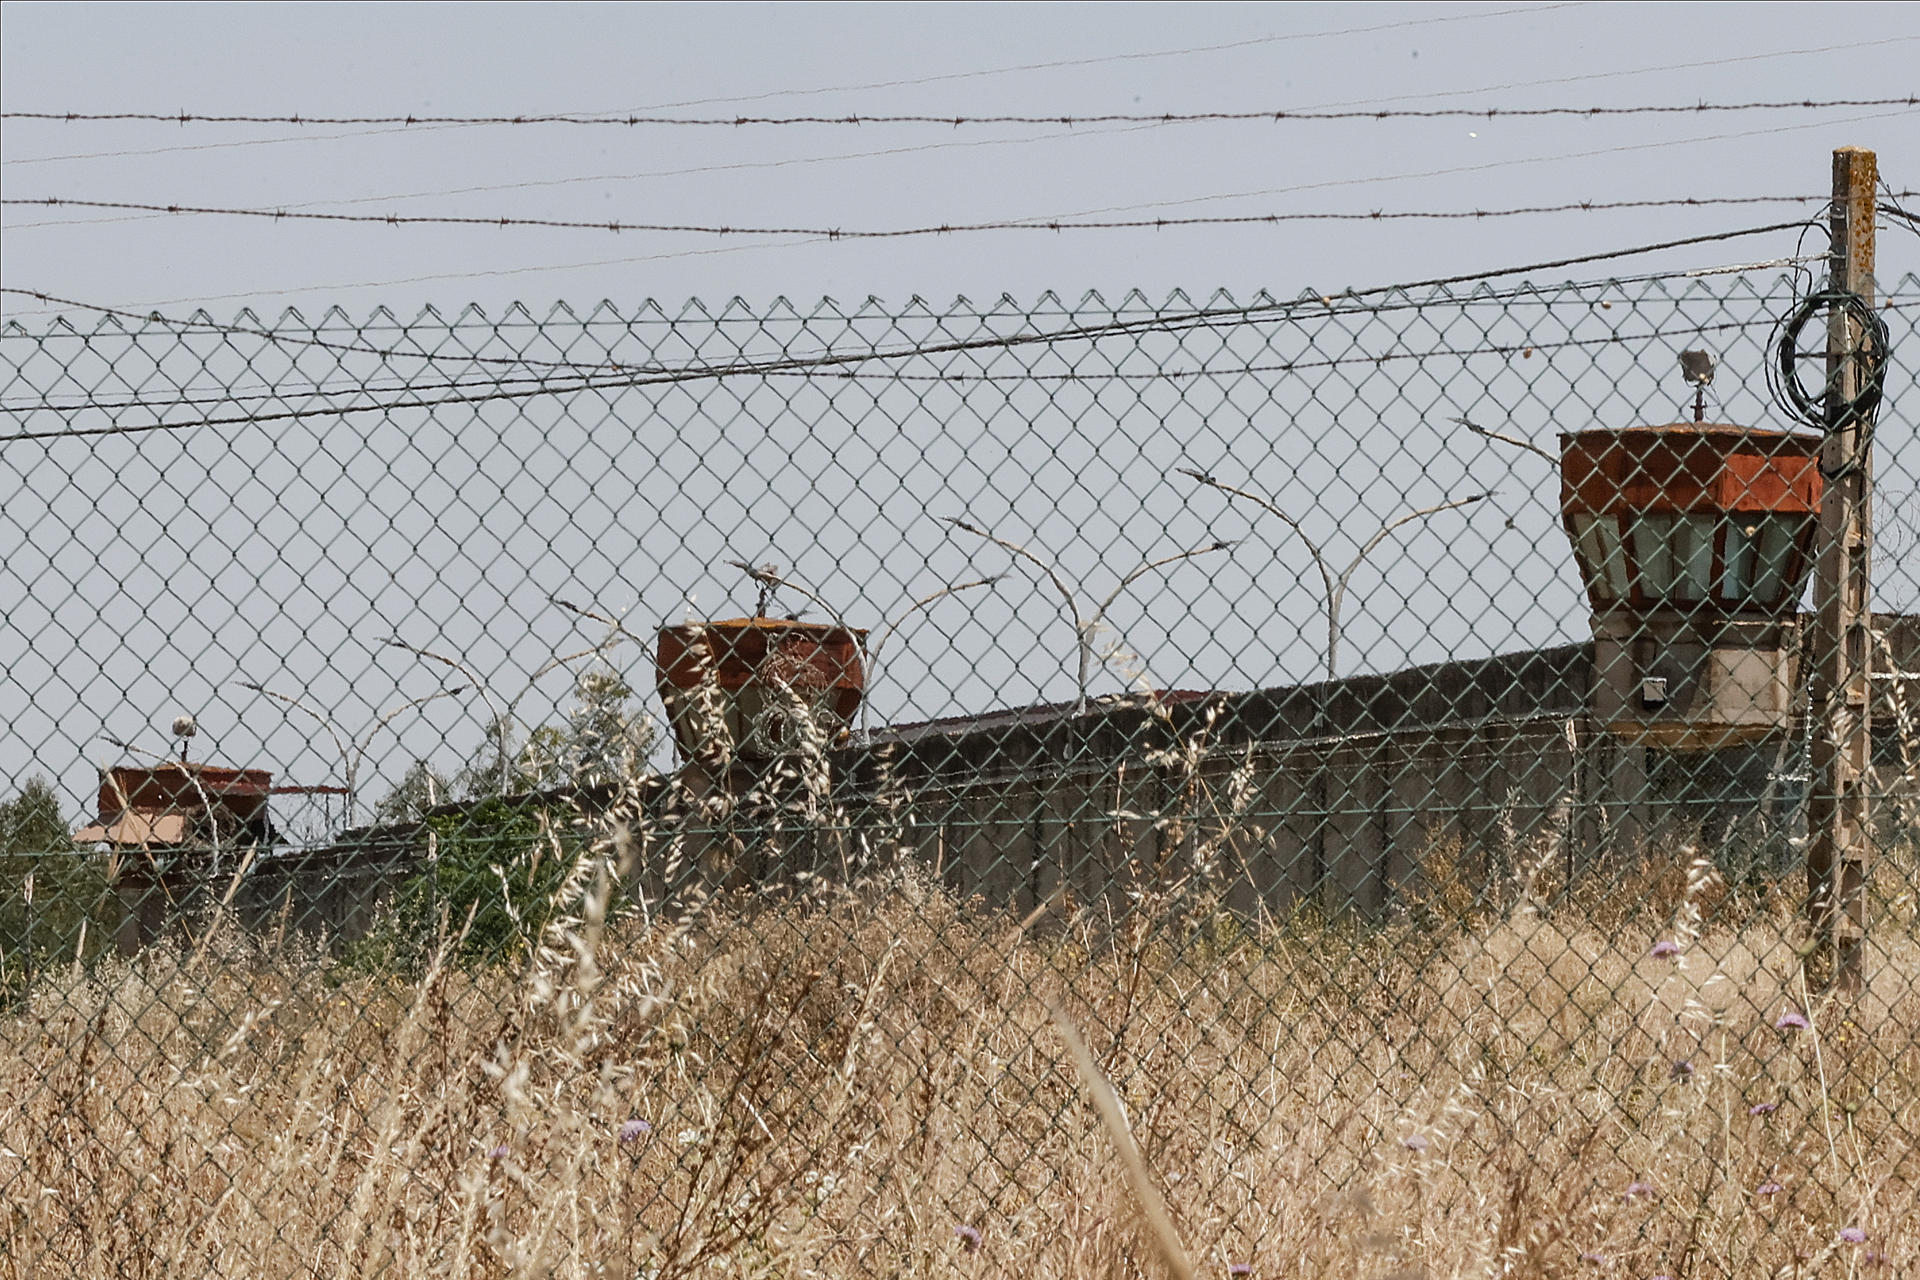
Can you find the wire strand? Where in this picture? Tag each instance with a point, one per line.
(1062, 64)
(895, 233)
(1692, 65)
(560, 386)
(1491, 166)
(1276, 116)
(552, 383)
(647, 175)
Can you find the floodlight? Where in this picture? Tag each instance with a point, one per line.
(1697, 367)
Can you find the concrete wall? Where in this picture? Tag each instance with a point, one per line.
(1344, 787)
(1332, 793)
(1487, 754)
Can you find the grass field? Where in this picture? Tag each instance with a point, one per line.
(874, 1082)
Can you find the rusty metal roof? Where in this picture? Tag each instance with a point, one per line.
(136, 828)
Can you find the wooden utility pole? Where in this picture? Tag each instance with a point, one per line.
(1839, 845)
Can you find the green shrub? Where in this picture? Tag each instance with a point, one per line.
(491, 873)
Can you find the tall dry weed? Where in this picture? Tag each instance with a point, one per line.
(865, 1075)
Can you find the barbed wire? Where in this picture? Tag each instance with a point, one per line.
(1892, 208)
(895, 233)
(1693, 65)
(1492, 166)
(1276, 116)
(1059, 64)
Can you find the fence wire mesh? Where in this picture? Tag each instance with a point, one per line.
(1212, 787)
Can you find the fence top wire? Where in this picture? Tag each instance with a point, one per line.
(1056, 225)
(955, 120)
(430, 329)
(893, 342)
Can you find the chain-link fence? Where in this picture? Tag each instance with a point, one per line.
(1271, 788)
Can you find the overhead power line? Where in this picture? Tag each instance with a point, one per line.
(561, 385)
(958, 119)
(564, 383)
(683, 171)
(1329, 306)
(1332, 305)
(1199, 318)
(895, 233)
(1557, 157)
(1287, 37)
(1690, 65)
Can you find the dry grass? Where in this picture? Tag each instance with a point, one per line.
(872, 1083)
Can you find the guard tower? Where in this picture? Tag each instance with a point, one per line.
(1694, 541)
(763, 675)
(174, 828)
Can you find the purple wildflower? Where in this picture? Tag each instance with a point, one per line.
(1417, 1142)
(1792, 1021)
(1664, 948)
(1853, 1235)
(1763, 1108)
(498, 1153)
(1635, 1190)
(969, 1236)
(1596, 1259)
(1681, 1070)
(633, 1130)
(1768, 1188)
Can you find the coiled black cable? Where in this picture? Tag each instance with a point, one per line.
(1824, 410)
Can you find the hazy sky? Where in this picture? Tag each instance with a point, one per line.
(151, 578)
(801, 59)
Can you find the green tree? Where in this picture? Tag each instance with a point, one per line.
(490, 874)
(494, 864)
(607, 734)
(603, 734)
(57, 898)
(420, 789)
(31, 821)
